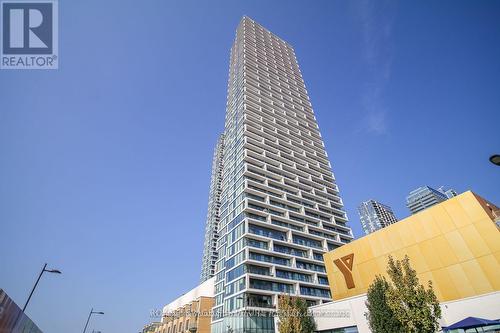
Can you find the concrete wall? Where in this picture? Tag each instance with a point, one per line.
(205, 289)
(333, 315)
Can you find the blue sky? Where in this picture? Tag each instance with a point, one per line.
(105, 163)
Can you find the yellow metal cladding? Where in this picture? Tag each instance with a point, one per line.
(455, 244)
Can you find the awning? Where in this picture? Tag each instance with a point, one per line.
(471, 322)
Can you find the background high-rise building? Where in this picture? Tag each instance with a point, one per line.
(426, 196)
(280, 206)
(375, 215)
(213, 215)
(450, 193)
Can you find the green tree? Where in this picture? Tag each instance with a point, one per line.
(380, 316)
(294, 316)
(416, 307)
(403, 302)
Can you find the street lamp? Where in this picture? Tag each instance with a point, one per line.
(44, 269)
(90, 314)
(495, 159)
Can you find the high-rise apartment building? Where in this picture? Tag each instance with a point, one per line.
(426, 196)
(375, 215)
(280, 205)
(213, 216)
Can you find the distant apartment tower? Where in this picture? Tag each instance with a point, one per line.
(426, 196)
(375, 215)
(213, 214)
(280, 205)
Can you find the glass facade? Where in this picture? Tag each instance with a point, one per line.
(426, 196)
(279, 200)
(210, 254)
(375, 215)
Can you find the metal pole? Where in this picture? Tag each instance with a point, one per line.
(90, 314)
(36, 283)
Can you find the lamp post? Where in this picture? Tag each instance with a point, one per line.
(90, 314)
(44, 269)
(495, 159)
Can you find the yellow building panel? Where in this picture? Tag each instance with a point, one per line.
(376, 247)
(429, 224)
(477, 277)
(497, 257)
(396, 241)
(417, 229)
(458, 245)
(405, 233)
(457, 213)
(474, 240)
(428, 252)
(488, 232)
(455, 244)
(365, 272)
(444, 251)
(446, 287)
(424, 279)
(366, 254)
(460, 281)
(489, 265)
(444, 221)
(418, 261)
(473, 210)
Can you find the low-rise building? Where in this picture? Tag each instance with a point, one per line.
(454, 244)
(191, 312)
(151, 327)
(193, 317)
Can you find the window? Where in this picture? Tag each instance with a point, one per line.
(290, 250)
(332, 247)
(236, 233)
(260, 301)
(322, 280)
(273, 286)
(293, 276)
(257, 270)
(268, 258)
(310, 267)
(315, 292)
(307, 242)
(256, 243)
(262, 231)
(318, 256)
(233, 261)
(233, 274)
(235, 287)
(287, 225)
(259, 324)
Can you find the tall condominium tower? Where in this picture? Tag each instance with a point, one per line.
(213, 215)
(426, 196)
(375, 215)
(280, 206)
